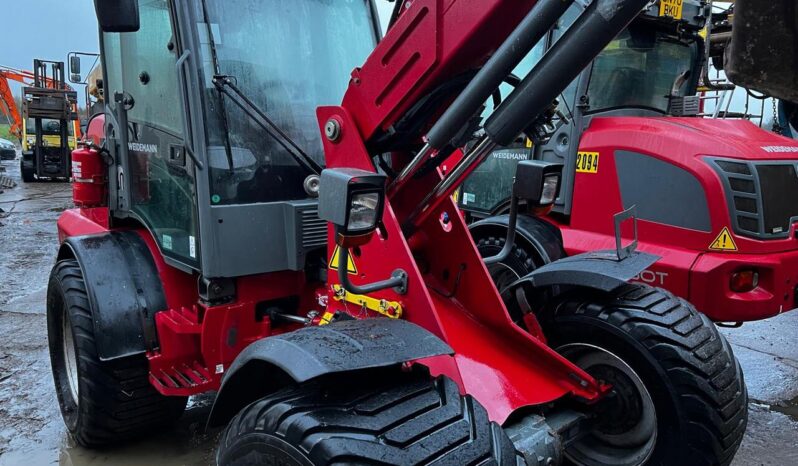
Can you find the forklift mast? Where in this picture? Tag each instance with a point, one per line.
(52, 103)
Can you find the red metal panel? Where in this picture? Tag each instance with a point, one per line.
(450, 294)
(433, 40)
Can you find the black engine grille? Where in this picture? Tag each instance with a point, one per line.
(763, 197)
(779, 185)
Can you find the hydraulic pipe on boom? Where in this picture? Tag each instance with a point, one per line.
(531, 30)
(594, 28)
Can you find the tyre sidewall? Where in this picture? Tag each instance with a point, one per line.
(584, 329)
(262, 447)
(58, 308)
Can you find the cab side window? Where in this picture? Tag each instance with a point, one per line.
(160, 178)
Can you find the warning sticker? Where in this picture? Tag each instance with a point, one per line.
(587, 162)
(724, 242)
(336, 258)
(671, 8)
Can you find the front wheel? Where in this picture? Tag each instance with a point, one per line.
(27, 174)
(397, 418)
(678, 391)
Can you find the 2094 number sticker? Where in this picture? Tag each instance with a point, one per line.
(587, 162)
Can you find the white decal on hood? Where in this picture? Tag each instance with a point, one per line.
(780, 149)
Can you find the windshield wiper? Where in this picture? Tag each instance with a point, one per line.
(225, 85)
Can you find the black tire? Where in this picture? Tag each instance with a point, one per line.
(27, 174)
(694, 381)
(115, 401)
(518, 264)
(400, 419)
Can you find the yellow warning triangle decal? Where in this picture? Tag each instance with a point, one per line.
(724, 242)
(336, 258)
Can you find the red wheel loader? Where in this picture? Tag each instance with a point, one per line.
(715, 198)
(264, 222)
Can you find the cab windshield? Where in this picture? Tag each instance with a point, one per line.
(639, 69)
(288, 57)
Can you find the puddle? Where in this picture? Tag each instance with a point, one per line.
(186, 444)
(788, 408)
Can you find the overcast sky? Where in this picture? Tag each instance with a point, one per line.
(63, 26)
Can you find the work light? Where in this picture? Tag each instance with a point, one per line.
(537, 182)
(352, 200)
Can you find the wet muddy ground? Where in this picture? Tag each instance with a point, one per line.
(32, 433)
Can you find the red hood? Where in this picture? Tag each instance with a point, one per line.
(683, 138)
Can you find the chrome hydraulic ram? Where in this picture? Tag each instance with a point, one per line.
(529, 32)
(596, 27)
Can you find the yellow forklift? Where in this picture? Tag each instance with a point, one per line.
(49, 124)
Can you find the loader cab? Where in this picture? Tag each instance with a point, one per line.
(193, 162)
(652, 69)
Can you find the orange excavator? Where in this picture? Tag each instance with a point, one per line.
(8, 105)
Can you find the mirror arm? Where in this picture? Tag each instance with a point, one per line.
(398, 280)
(511, 231)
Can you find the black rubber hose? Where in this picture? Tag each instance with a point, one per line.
(585, 39)
(532, 29)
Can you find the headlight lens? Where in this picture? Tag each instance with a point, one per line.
(550, 185)
(363, 211)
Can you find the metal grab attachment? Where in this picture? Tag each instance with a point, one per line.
(398, 280)
(620, 218)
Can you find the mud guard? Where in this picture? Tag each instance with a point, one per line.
(124, 289)
(342, 347)
(543, 237)
(599, 270)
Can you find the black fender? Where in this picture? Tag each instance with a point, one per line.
(124, 289)
(533, 234)
(296, 357)
(599, 270)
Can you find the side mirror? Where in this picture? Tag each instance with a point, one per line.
(74, 64)
(537, 182)
(117, 15)
(353, 201)
(763, 54)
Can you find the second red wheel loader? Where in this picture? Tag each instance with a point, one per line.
(231, 237)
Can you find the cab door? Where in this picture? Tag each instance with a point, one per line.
(153, 179)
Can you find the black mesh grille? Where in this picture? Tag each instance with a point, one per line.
(743, 186)
(779, 185)
(734, 167)
(314, 229)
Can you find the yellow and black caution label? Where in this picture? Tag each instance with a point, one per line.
(671, 8)
(587, 162)
(336, 258)
(724, 242)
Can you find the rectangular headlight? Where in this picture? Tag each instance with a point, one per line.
(551, 185)
(363, 211)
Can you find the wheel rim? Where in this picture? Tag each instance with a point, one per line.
(503, 275)
(70, 359)
(626, 434)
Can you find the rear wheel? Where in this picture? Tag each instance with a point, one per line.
(101, 402)
(397, 419)
(26, 173)
(519, 263)
(678, 391)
